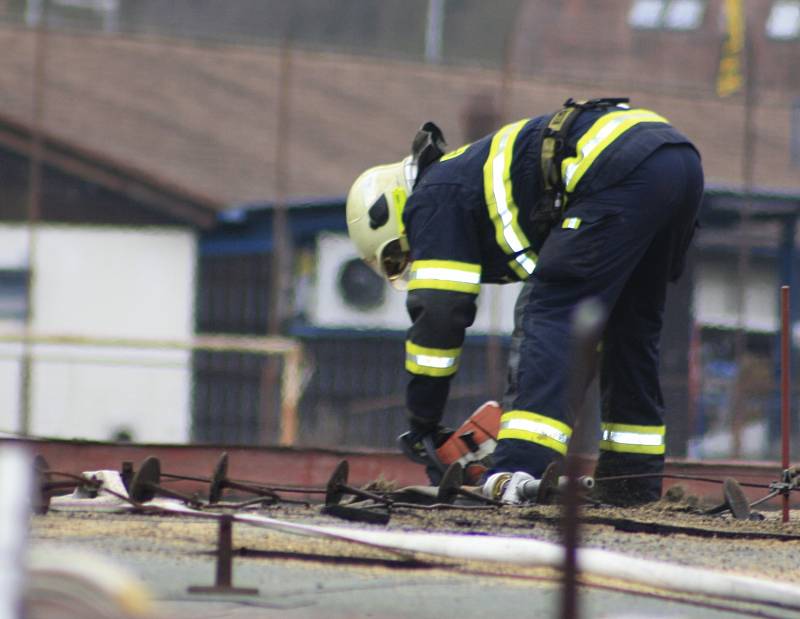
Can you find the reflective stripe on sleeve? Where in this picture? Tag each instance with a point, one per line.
(455, 153)
(524, 264)
(626, 438)
(445, 275)
(603, 132)
(571, 223)
(527, 426)
(437, 362)
(499, 198)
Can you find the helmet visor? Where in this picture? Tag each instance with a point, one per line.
(394, 259)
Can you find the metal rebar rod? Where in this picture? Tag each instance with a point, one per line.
(224, 571)
(785, 396)
(171, 494)
(297, 489)
(365, 494)
(678, 476)
(443, 506)
(83, 479)
(586, 329)
(766, 498)
(268, 500)
(173, 477)
(249, 486)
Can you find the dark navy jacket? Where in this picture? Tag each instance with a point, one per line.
(469, 220)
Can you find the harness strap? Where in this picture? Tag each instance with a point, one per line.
(555, 148)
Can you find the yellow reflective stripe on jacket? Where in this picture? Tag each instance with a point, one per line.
(603, 132)
(455, 153)
(524, 264)
(627, 438)
(499, 198)
(445, 275)
(431, 361)
(527, 426)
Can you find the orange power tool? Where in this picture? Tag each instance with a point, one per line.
(471, 445)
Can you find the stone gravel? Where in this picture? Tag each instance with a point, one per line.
(702, 543)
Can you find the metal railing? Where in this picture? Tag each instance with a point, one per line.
(41, 348)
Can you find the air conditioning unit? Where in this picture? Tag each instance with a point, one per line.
(348, 294)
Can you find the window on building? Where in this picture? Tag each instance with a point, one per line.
(103, 13)
(14, 294)
(684, 14)
(646, 14)
(667, 14)
(783, 22)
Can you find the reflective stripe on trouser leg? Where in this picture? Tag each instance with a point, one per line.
(535, 428)
(629, 449)
(437, 362)
(634, 439)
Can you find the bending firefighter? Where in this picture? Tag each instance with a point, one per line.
(597, 200)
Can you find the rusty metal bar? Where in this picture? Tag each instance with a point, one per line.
(785, 393)
(587, 325)
(281, 259)
(34, 214)
(219, 343)
(223, 582)
(291, 386)
(743, 262)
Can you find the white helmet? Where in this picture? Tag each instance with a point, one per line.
(375, 217)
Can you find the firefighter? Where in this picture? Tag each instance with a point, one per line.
(597, 200)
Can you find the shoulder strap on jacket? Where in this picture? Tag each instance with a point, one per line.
(555, 148)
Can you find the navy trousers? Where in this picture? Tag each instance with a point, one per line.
(631, 241)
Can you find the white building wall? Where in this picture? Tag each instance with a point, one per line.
(102, 281)
(13, 255)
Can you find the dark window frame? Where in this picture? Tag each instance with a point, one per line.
(14, 293)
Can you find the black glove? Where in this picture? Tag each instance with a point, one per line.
(420, 443)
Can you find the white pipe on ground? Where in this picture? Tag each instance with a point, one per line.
(523, 551)
(536, 553)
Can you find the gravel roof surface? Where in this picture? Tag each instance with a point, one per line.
(675, 530)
